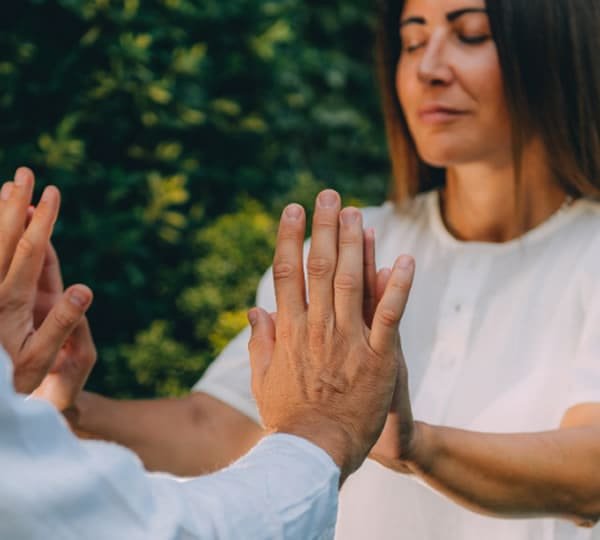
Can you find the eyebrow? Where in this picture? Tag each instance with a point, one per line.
(450, 17)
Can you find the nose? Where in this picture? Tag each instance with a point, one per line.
(434, 68)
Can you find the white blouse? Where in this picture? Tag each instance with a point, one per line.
(497, 337)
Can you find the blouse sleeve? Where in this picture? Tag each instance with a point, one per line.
(583, 379)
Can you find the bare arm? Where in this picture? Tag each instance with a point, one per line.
(187, 436)
(553, 473)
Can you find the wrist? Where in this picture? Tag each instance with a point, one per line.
(413, 454)
(77, 414)
(420, 453)
(330, 437)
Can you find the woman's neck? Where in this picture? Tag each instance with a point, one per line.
(481, 202)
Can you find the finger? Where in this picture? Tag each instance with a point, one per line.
(44, 345)
(370, 277)
(30, 211)
(288, 272)
(260, 346)
(322, 257)
(13, 213)
(50, 286)
(26, 266)
(70, 372)
(384, 334)
(383, 276)
(348, 281)
(51, 277)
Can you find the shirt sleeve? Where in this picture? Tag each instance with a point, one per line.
(56, 486)
(228, 377)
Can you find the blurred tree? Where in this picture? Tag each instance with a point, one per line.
(163, 123)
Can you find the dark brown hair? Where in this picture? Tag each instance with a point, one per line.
(547, 51)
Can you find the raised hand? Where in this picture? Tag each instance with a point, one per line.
(76, 358)
(397, 442)
(22, 250)
(319, 371)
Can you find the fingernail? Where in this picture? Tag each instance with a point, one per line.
(405, 263)
(46, 194)
(328, 199)
(293, 211)
(349, 216)
(78, 299)
(21, 177)
(252, 317)
(6, 191)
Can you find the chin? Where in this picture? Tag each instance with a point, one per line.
(443, 157)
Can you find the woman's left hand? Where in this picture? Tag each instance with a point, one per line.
(396, 445)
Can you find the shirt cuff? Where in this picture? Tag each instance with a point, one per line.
(302, 481)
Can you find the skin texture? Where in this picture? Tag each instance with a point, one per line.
(344, 371)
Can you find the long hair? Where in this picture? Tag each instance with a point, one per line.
(547, 51)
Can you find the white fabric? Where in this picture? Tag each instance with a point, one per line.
(55, 486)
(497, 337)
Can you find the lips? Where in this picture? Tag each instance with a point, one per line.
(439, 114)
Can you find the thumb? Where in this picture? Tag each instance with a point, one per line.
(44, 345)
(260, 346)
(384, 333)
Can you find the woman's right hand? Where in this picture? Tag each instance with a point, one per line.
(318, 371)
(67, 376)
(32, 347)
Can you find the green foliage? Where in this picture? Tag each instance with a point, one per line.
(164, 123)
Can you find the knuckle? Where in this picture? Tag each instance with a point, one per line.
(388, 318)
(325, 221)
(290, 232)
(346, 282)
(255, 342)
(350, 237)
(317, 331)
(283, 270)
(400, 285)
(319, 266)
(25, 247)
(64, 318)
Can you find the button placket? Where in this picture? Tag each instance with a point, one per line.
(457, 310)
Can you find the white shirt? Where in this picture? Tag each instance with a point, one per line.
(497, 338)
(54, 486)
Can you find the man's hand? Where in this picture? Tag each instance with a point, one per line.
(33, 350)
(319, 371)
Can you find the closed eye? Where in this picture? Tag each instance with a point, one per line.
(474, 40)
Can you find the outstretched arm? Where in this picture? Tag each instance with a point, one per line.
(187, 436)
(545, 474)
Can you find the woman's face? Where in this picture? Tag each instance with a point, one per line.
(450, 85)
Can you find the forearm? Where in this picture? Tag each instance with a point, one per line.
(553, 473)
(186, 436)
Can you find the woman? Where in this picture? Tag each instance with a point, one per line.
(494, 136)
(501, 338)
(493, 106)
